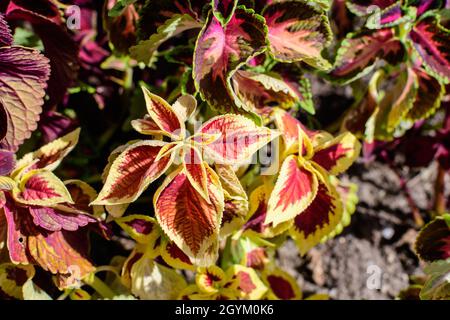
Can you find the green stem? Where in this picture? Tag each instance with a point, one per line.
(99, 286)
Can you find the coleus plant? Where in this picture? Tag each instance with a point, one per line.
(44, 221)
(190, 202)
(410, 38)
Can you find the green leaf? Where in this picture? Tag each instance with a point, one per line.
(144, 50)
(119, 7)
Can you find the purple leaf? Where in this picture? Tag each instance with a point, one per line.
(23, 76)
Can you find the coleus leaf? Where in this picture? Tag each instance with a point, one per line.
(236, 200)
(358, 54)
(13, 277)
(61, 50)
(257, 90)
(224, 9)
(174, 256)
(132, 171)
(437, 286)
(119, 7)
(282, 286)
(425, 5)
(6, 38)
(433, 242)
(428, 97)
(177, 24)
(255, 224)
(50, 155)
(153, 281)
(140, 228)
(298, 31)
(163, 116)
(56, 220)
(337, 154)
(348, 193)
(361, 7)
(432, 42)
(195, 170)
(188, 219)
(320, 218)
(210, 279)
(155, 13)
(245, 282)
(41, 188)
(59, 252)
(381, 14)
(239, 138)
(295, 189)
(122, 28)
(220, 51)
(395, 104)
(7, 162)
(23, 76)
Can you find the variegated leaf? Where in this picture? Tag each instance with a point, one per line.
(224, 9)
(23, 77)
(220, 51)
(338, 154)
(432, 42)
(246, 282)
(433, 242)
(50, 155)
(359, 53)
(282, 286)
(142, 229)
(153, 281)
(174, 256)
(132, 171)
(240, 139)
(428, 98)
(295, 189)
(298, 31)
(7, 162)
(164, 115)
(187, 218)
(258, 90)
(41, 188)
(320, 218)
(175, 25)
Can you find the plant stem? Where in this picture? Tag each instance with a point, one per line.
(403, 185)
(439, 192)
(99, 286)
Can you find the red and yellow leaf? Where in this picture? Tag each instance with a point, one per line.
(187, 218)
(163, 115)
(195, 170)
(132, 171)
(240, 139)
(320, 218)
(174, 256)
(41, 188)
(50, 155)
(432, 42)
(245, 282)
(143, 229)
(338, 154)
(298, 31)
(359, 53)
(295, 189)
(282, 286)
